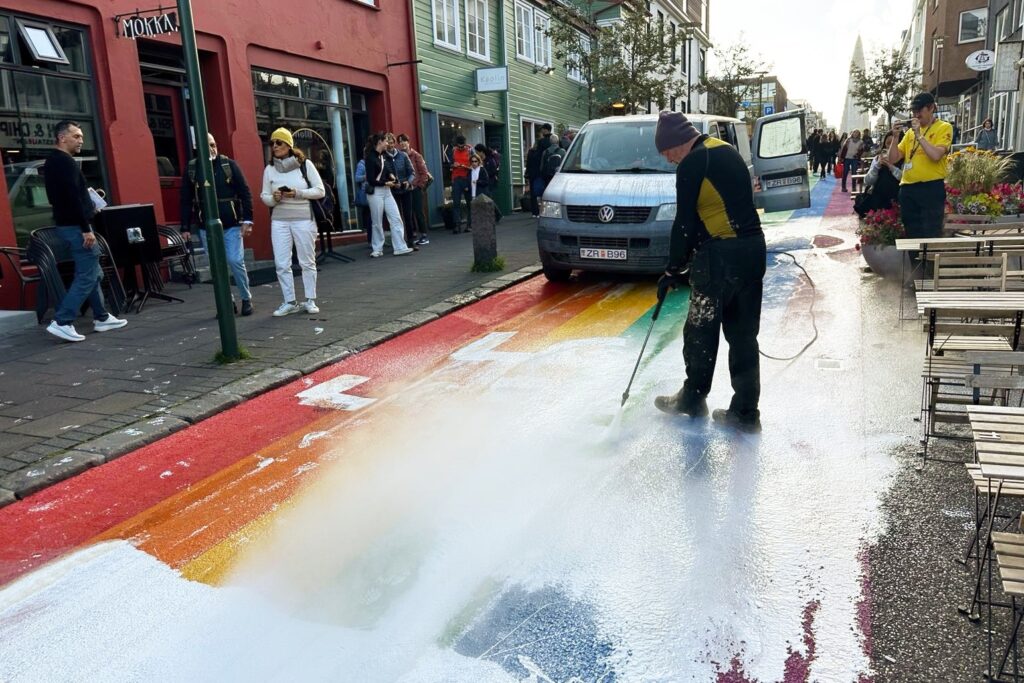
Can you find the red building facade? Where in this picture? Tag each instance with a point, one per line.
(320, 68)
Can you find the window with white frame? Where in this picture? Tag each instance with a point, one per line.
(446, 23)
(935, 53)
(533, 44)
(575, 71)
(530, 132)
(478, 43)
(1020, 14)
(973, 25)
(542, 45)
(524, 32)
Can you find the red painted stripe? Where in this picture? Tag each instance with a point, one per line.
(64, 516)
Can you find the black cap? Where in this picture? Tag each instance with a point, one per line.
(921, 100)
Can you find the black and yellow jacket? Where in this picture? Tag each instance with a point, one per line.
(714, 199)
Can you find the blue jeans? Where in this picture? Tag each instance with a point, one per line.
(86, 284)
(460, 188)
(850, 166)
(235, 253)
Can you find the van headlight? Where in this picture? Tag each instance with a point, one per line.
(666, 212)
(550, 210)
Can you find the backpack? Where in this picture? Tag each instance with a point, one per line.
(229, 176)
(323, 208)
(552, 161)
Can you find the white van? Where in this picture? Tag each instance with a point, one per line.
(612, 204)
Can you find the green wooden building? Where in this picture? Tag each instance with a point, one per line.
(487, 71)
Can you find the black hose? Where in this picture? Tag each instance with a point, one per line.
(814, 323)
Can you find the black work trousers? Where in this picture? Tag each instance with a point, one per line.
(726, 278)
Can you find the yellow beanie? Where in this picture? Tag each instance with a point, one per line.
(284, 135)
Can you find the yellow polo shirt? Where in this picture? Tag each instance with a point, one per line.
(917, 167)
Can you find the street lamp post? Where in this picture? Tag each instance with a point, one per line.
(939, 44)
(208, 195)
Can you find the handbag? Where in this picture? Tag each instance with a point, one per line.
(839, 170)
(323, 208)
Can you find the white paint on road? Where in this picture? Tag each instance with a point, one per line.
(332, 394)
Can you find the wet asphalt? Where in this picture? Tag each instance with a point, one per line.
(916, 583)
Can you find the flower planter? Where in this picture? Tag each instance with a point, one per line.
(886, 261)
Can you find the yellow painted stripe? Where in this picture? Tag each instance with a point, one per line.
(611, 316)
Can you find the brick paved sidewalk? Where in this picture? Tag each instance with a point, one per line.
(66, 407)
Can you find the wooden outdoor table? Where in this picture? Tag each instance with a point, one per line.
(978, 244)
(971, 304)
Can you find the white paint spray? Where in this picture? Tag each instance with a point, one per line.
(690, 545)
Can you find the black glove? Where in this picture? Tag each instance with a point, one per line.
(670, 280)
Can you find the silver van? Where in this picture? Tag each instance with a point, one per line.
(612, 204)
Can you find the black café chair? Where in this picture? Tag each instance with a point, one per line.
(177, 253)
(19, 264)
(51, 255)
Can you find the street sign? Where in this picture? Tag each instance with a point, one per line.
(981, 60)
(769, 109)
(492, 79)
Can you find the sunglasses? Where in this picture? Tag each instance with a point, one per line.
(278, 143)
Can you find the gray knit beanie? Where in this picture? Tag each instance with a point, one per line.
(674, 129)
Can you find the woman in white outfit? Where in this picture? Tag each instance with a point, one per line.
(287, 190)
(380, 178)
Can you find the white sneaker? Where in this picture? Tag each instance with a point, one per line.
(402, 252)
(108, 323)
(311, 306)
(65, 332)
(287, 309)
(376, 254)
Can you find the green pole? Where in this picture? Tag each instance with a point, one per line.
(208, 193)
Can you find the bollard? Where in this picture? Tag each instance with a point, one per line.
(485, 240)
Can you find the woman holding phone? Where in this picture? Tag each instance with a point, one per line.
(380, 179)
(290, 181)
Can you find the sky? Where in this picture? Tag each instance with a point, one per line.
(808, 44)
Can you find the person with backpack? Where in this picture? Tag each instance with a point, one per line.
(291, 184)
(491, 163)
(552, 158)
(234, 203)
(416, 229)
(534, 174)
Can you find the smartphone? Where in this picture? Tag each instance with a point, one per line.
(284, 188)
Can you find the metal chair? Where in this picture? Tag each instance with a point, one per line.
(51, 255)
(17, 260)
(177, 253)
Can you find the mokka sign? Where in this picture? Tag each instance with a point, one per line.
(136, 26)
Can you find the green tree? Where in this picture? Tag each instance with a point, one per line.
(735, 79)
(628, 61)
(885, 85)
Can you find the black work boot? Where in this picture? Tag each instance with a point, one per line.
(246, 306)
(727, 418)
(677, 405)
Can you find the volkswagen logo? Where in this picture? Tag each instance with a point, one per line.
(605, 214)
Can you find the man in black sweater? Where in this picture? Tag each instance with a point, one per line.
(73, 210)
(717, 232)
(234, 202)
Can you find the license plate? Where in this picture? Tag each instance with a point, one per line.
(783, 182)
(606, 254)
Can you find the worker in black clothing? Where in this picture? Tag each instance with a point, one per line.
(717, 233)
(234, 201)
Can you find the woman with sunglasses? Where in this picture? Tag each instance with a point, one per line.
(290, 181)
(380, 179)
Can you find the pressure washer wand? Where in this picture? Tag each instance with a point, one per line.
(654, 317)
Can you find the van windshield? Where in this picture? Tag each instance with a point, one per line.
(626, 147)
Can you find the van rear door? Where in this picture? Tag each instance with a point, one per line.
(779, 154)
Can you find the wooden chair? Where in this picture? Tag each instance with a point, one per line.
(1009, 554)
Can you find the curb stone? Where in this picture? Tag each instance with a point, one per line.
(24, 483)
(127, 437)
(262, 381)
(198, 409)
(130, 437)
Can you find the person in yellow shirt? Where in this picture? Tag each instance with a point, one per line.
(923, 152)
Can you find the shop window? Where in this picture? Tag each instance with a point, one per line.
(68, 96)
(6, 54)
(41, 42)
(71, 41)
(477, 39)
(446, 23)
(530, 132)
